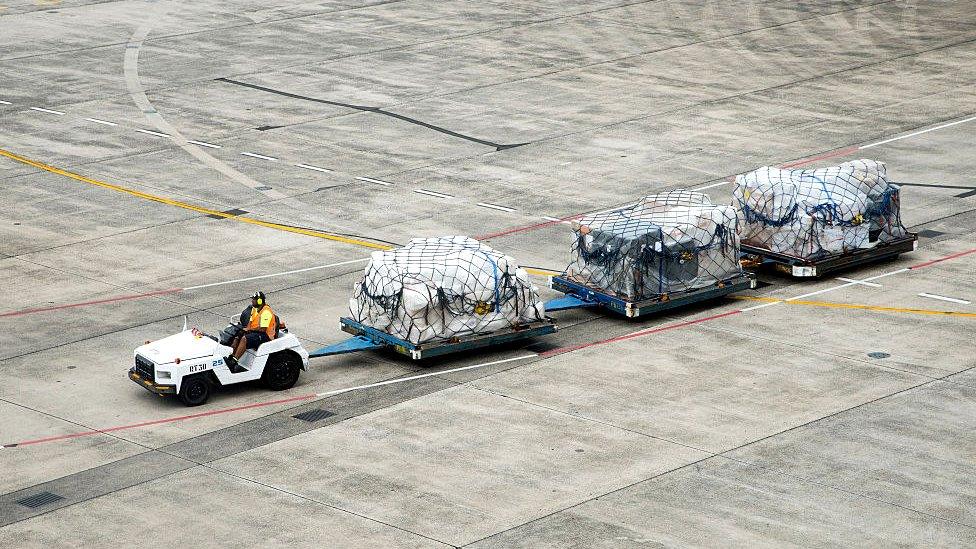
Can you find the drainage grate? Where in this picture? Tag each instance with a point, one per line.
(233, 212)
(541, 347)
(878, 355)
(313, 415)
(38, 500)
(929, 233)
(262, 188)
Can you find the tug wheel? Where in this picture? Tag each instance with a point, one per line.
(282, 371)
(195, 391)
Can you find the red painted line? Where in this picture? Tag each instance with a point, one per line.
(528, 227)
(86, 303)
(831, 154)
(160, 421)
(311, 396)
(946, 258)
(642, 333)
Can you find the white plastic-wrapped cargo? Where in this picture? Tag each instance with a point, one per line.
(813, 213)
(665, 243)
(439, 288)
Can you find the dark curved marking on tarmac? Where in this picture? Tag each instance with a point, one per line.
(377, 110)
(933, 185)
(969, 191)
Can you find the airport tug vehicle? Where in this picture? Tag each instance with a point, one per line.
(190, 364)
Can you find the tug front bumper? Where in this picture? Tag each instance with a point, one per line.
(151, 386)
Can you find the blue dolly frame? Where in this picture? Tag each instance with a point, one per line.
(579, 296)
(366, 338)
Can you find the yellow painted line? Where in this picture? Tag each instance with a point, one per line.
(191, 207)
(208, 211)
(856, 306)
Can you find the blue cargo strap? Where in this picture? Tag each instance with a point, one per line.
(498, 307)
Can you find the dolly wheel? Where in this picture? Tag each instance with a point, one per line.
(194, 391)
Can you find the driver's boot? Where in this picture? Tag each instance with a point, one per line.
(232, 364)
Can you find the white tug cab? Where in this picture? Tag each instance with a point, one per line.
(191, 363)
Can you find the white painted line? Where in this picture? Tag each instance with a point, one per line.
(150, 132)
(754, 307)
(203, 144)
(818, 292)
(49, 111)
(712, 186)
(261, 156)
(563, 221)
(5, 102)
(852, 281)
(612, 209)
(350, 262)
(495, 207)
(825, 290)
(882, 275)
(970, 119)
(315, 168)
(432, 193)
(421, 376)
(377, 181)
(99, 121)
(944, 298)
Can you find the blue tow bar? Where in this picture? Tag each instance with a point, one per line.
(351, 345)
(568, 302)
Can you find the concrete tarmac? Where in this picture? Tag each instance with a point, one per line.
(128, 123)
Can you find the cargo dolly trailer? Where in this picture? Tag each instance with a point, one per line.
(366, 338)
(580, 295)
(818, 266)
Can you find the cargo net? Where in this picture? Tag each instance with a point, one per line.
(815, 213)
(439, 288)
(666, 243)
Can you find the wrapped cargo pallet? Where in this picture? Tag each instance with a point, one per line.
(815, 213)
(439, 288)
(663, 244)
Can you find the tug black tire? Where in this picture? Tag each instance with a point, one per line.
(281, 371)
(195, 390)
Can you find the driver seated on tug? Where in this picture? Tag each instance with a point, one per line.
(260, 326)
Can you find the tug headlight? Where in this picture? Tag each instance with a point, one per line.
(163, 375)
